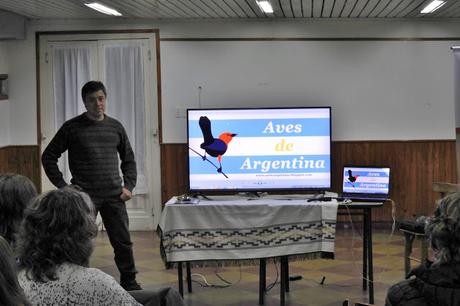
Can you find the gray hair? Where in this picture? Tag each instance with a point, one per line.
(16, 192)
(11, 292)
(58, 227)
(443, 230)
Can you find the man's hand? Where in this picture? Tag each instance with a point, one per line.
(125, 195)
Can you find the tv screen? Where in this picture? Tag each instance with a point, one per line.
(263, 149)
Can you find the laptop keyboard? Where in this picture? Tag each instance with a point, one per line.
(364, 197)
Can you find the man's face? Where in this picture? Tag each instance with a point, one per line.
(95, 105)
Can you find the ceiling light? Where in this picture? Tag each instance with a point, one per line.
(103, 9)
(265, 6)
(433, 6)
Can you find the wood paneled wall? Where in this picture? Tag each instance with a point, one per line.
(415, 166)
(22, 160)
(173, 170)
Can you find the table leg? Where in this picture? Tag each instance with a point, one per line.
(365, 255)
(262, 280)
(179, 278)
(189, 277)
(368, 215)
(283, 281)
(286, 267)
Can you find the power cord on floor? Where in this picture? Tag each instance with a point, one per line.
(205, 282)
(224, 280)
(393, 227)
(322, 282)
(270, 287)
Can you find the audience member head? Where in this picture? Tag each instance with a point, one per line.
(443, 229)
(10, 291)
(58, 227)
(16, 191)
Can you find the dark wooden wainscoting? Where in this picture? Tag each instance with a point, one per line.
(22, 160)
(415, 166)
(173, 170)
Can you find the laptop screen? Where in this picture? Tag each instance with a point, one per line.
(366, 180)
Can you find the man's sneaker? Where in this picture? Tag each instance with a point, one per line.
(131, 285)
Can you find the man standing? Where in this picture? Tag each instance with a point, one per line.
(94, 142)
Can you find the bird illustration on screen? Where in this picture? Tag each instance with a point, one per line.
(352, 178)
(216, 147)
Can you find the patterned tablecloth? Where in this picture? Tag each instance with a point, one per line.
(230, 229)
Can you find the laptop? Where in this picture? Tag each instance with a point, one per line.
(366, 183)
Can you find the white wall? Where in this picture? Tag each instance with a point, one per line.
(379, 90)
(4, 104)
(22, 92)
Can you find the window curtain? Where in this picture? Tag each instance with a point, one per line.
(71, 70)
(124, 77)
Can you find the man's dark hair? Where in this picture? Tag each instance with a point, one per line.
(91, 87)
(58, 227)
(16, 192)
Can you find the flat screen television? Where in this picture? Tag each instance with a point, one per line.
(259, 149)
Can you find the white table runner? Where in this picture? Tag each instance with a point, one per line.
(231, 229)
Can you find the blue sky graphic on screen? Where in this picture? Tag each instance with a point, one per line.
(259, 149)
(367, 180)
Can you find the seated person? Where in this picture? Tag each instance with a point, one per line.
(437, 283)
(55, 243)
(16, 191)
(10, 291)
(54, 246)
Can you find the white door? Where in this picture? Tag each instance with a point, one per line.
(126, 65)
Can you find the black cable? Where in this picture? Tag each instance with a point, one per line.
(210, 285)
(224, 280)
(270, 287)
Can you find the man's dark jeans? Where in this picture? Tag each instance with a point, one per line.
(116, 222)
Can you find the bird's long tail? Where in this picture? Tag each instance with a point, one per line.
(205, 125)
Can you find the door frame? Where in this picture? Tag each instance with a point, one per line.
(157, 130)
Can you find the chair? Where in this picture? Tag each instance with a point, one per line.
(412, 230)
(415, 230)
(445, 188)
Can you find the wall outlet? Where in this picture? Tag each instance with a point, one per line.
(180, 112)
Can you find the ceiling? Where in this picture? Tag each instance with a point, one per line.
(231, 9)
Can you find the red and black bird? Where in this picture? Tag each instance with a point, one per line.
(216, 147)
(352, 178)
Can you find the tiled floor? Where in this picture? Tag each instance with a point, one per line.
(342, 275)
